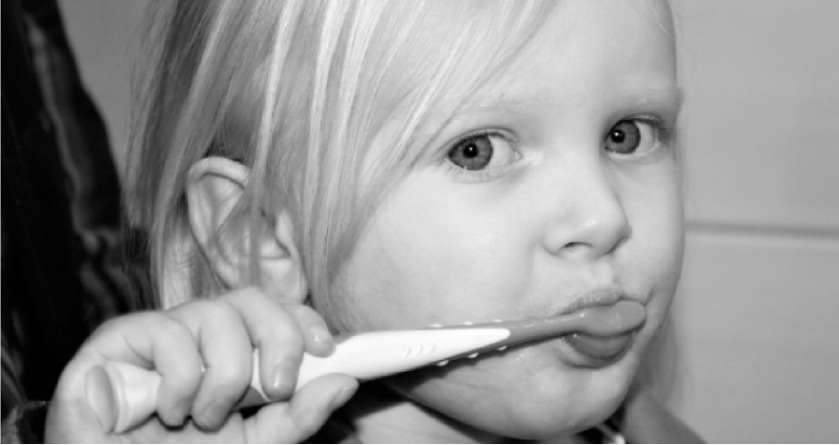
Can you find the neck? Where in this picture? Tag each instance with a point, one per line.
(381, 415)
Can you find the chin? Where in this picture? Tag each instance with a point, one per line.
(548, 403)
(546, 420)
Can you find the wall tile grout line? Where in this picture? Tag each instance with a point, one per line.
(827, 234)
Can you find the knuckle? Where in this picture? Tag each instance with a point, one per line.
(279, 328)
(121, 322)
(226, 392)
(284, 328)
(219, 311)
(287, 345)
(168, 327)
(304, 314)
(245, 293)
(229, 374)
(291, 352)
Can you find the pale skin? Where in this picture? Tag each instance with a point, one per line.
(557, 209)
(559, 216)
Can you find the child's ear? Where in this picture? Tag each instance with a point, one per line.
(214, 189)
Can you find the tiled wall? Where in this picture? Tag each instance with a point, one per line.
(757, 318)
(758, 326)
(758, 310)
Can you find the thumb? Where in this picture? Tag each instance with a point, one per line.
(301, 417)
(72, 419)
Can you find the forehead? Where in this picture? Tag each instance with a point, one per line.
(591, 49)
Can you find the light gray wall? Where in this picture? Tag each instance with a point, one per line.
(106, 36)
(759, 302)
(758, 310)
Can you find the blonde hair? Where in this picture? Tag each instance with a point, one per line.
(297, 90)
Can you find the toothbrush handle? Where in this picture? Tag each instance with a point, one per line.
(123, 395)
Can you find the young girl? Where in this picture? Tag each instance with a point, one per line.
(310, 167)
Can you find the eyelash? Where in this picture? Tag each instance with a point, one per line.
(484, 175)
(662, 130)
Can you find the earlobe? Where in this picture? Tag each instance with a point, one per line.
(221, 229)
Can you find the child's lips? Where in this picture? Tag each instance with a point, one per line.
(607, 324)
(607, 340)
(597, 332)
(608, 320)
(600, 348)
(596, 327)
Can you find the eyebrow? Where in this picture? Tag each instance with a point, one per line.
(661, 96)
(475, 111)
(671, 97)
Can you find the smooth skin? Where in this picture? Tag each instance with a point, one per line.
(527, 201)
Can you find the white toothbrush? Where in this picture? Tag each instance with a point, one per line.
(123, 395)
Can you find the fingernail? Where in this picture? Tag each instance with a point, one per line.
(208, 416)
(342, 396)
(100, 397)
(283, 378)
(320, 336)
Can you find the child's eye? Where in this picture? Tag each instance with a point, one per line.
(482, 151)
(629, 136)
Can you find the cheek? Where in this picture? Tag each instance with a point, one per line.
(666, 232)
(426, 258)
(654, 254)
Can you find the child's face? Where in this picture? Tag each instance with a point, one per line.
(551, 204)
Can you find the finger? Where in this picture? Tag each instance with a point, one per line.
(155, 341)
(227, 354)
(305, 414)
(315, 333)
(275, 332)
(72, 420)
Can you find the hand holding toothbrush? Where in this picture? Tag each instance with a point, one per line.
(123, 396)
(198, 404)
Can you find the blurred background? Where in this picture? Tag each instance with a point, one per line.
(757, 316)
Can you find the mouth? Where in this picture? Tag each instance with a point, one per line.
(608, 340)
(605, 296)
(595, 352)
(594, 330)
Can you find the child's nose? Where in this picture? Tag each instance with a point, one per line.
(591, 222)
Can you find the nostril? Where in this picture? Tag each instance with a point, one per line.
(598, 226)
(575, 246)
(577, 250)
(597, 247)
